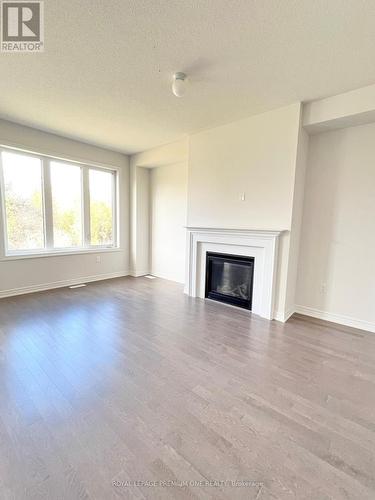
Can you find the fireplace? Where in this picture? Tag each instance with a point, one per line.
(229, 279)
(261, 245)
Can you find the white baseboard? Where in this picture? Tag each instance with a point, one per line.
(138, 274)
(283, 316)
(336, 318)
(59, 284)
(164, 276)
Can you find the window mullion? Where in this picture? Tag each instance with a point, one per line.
(115, 209)
(86, 207)
(3, 222)
(48, 211)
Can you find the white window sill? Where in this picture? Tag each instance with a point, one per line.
(59, 253)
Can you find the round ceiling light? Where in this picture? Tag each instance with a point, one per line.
(179, 84)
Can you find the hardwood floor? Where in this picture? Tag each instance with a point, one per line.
(109, 388)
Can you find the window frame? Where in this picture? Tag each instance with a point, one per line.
(49, 250)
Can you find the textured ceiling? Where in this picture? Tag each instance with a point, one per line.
(105, 75)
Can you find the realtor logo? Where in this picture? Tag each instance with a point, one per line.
(22, 27)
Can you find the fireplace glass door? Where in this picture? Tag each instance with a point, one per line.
(229, 278)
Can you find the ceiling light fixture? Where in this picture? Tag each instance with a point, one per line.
(179, 84)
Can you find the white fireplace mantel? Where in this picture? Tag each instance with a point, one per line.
(260, 244)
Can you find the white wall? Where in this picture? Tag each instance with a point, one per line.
(168, 154)
(17, 276)
(140, 260)
(141, 231)
(295, 234)
(337, 265)
(356, 107)
(168, 195)
(256, 156)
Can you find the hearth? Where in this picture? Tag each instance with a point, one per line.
(229, 279)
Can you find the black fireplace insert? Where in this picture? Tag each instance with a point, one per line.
(229, 278)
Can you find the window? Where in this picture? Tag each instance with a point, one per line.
(101, 207)
(51, 206)
(66, 185)
(23, 201)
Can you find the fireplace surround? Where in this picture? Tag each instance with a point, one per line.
(262, 245)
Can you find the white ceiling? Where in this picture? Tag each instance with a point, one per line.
(105, 75)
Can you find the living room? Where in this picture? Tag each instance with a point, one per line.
(186, 250)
